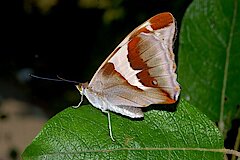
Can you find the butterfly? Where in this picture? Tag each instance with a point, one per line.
(139, 72)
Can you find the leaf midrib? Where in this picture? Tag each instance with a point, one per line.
(221, 120)
(218, 150)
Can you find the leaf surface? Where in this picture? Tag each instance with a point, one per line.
(83, 134)
(209, 58)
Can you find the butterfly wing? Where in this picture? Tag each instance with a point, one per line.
(141, 70)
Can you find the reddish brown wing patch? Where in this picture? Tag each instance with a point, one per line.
(146, 79)
(137, 63)
(142, 48)
(140, 30)
(109, 71)
(134, 55)
(168, 99)
(161, 20)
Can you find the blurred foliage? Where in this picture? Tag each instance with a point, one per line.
(101, 4)
(113, 9)
(43, 5)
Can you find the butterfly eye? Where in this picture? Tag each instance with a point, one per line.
(79, 87)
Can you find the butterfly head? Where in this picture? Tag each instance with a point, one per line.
(81, 87)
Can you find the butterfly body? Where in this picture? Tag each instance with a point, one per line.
(139, 72)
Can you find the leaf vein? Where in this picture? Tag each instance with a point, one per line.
(221, 120)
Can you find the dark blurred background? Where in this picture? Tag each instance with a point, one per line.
(69, 38)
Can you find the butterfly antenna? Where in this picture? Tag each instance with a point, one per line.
(58, 79)
(45, 78)
(66, 80)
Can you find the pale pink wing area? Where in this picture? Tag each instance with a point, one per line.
(141, 70)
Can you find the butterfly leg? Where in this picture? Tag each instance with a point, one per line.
(79, 104)
(109, 124)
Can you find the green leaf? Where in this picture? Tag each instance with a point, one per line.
(83, 134)
(209, 58)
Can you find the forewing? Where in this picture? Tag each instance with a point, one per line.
(141, 70)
